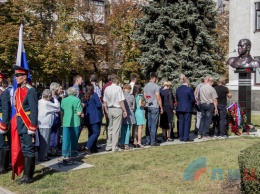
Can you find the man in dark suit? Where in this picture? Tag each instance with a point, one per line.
(185, 99)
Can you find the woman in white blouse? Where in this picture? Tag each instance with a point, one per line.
(45, 121)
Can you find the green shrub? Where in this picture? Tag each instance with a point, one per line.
(249, 166)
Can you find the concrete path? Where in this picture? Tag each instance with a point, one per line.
(5, 191)
(73, 163)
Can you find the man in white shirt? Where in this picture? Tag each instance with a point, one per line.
(114, 107)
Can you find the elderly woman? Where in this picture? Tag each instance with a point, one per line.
(71, 110)
(45, 121)
(54, 137)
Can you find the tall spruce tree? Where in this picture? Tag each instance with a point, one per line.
(177, 36)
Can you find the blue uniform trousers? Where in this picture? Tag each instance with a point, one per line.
(27, 144)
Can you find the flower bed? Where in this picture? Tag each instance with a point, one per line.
(237, 120)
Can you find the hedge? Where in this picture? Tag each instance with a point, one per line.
(249, 166)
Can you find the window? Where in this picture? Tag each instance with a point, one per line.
(94, 10)
(257, 16)
(257, 73)
(96, 6)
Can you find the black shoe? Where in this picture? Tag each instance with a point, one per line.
(65, 161)
(88, 151)
(26, 180)
(4, 160)
(147, 144)
(94, 151)
(44, 160)
(2, 170)
(158, 141)
(52, 155)
(189, 140)
(29, 167)
(155, 144)
(97, 147)
(19, 180)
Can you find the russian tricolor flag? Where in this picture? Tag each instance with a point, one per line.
(17, 155)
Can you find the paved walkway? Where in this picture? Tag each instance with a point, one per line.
(5, 191)
(255, 112)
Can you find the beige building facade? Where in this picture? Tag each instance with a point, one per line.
(244, 22)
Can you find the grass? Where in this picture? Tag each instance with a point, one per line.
(153, 170)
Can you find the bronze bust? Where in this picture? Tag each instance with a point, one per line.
(244, 60)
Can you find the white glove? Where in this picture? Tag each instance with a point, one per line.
(3, 131)
(30, 132)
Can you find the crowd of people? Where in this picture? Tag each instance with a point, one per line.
(52, 115)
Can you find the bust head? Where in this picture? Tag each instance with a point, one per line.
(244, 47)
(244, 60)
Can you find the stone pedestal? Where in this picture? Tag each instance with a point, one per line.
(244, 90)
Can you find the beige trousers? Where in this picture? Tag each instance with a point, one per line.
(114, 127)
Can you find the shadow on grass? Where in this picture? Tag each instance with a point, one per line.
(39, 174)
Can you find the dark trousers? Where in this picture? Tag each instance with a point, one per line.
(184, 125)
(27, 144)
(151, 115)
(5, 141)
(178, 124)
(221, 120)
(94, 132)
(54, 137)
(2, 141)
(206, 118)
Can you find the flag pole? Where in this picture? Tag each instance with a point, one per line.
(13, 173)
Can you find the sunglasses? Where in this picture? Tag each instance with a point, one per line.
(19, 74)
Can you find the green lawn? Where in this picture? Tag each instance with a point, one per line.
(151, 170)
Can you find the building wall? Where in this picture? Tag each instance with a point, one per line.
(242, 25)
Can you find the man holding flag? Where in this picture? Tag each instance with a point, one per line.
(26, 105)
(5, 110)
(24, 118)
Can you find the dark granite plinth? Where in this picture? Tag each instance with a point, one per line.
(244, 90)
